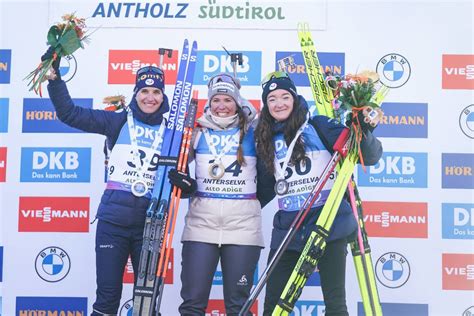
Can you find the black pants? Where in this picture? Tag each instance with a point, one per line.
(113, 245)
(199, 264)
(332, 270)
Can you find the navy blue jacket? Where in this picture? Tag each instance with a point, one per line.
(116, 206)
(344, 223)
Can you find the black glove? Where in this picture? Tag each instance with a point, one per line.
(183, 181)
(49, 54)
(363, 125)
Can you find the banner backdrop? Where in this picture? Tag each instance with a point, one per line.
(418, 200)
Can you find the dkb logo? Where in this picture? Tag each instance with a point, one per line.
(408, 170)
(55, 164)
(214, 62)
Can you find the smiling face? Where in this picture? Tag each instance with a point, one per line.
(149, 99)
(223, 105)
(280, 104)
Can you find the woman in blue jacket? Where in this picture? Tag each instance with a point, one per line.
(293, 149)
(135, 137)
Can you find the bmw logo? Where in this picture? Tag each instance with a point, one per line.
(469, 311)
(52, 264)
(392, 270)
(394, 70)
(127, 308)
(466, 121)
(68, 67)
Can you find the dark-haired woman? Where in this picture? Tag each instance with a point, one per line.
(224, 217)
(292, 151)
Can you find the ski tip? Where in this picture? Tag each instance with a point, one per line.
(195, 94)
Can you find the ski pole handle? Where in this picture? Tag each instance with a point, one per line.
(152, 206)
(341, 144)
(162, 52)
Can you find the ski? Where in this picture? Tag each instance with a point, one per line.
(316, 243)
(361, 254)
(156, 215)
(340, 150)
(321, 93)
(175, 198)
(167, 200)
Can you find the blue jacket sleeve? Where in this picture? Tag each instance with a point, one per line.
(265, 184)
(329, 130)
(88, 120)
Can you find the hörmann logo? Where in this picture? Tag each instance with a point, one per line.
(53, 214)
(458, 271)
(396, 219)
(330, 62)
(403, 120)
(39, 116)
(457, 170)
(458, 72)
(123, 65)
(5, 65)
(51, 306)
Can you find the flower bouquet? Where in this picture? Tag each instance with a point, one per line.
(356, 98)
(114, 103)
(65, 37)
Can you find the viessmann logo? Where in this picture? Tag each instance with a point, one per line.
(128, 276)
(396, 219)
(3, 163)
(458, 271)
(217, 308)
(53, 214)
(123, 65)
(458, 72)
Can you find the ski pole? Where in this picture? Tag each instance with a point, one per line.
(362, 258)
(176, 196)
(340, 150)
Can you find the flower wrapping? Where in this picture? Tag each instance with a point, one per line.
(65, 37)
(355, 99)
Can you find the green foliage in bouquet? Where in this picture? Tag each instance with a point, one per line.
(354, 95)
(65, 37)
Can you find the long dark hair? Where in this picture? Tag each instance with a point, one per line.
(265, 131)
(243, 130)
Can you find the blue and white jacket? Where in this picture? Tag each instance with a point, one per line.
(116, 206)
(319, 137)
